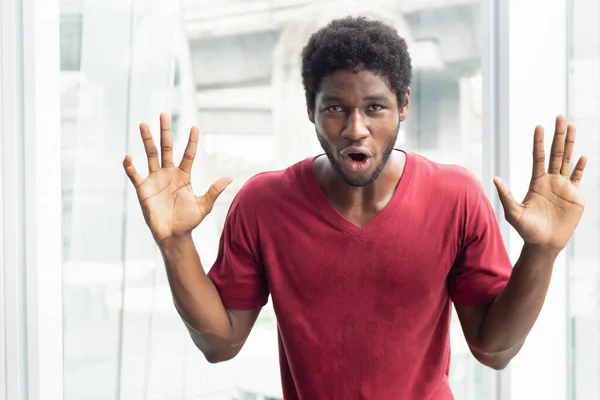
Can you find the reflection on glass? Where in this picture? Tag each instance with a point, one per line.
(93, 121)
(584, 262)
(233, 68)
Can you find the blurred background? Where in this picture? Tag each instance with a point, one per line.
(233, 68)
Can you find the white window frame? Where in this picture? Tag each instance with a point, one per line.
(494, 48)
(31, 200)
(537, 64)
(13, 278)
(524, 85)
(3, 349)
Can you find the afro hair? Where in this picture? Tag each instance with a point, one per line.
(353, 43)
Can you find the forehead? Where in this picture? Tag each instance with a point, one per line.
(363, 82)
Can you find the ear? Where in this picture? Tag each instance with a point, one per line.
(311, 115)
(406, 106)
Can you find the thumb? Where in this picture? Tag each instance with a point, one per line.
(214, 191)
(510, 205)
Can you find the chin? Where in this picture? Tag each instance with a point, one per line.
(358, 182)
(359, 179)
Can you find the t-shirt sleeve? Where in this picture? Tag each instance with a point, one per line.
(483, 267)
(238, 272)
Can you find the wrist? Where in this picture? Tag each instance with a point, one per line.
(175, 243)
(541, 251)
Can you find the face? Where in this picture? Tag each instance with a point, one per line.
(357, 118)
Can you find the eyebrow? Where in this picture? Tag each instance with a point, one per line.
(376, 97)
(332, 98)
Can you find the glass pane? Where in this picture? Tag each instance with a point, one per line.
(233, 69)
(94, 121)
(584, 262)
(117, 70)
(151, 335)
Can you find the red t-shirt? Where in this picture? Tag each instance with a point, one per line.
(362, 312)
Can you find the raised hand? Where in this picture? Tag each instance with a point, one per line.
(554, 203)
(169, 205)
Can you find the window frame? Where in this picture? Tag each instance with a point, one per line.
(531, 89)
(31, 199)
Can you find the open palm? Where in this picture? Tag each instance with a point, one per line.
(554, 204)
(169, 205)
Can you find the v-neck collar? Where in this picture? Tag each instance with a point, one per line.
(322, 202)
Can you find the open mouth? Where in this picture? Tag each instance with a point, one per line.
(359, 157)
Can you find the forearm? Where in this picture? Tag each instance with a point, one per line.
(196, 297)
(510, 318)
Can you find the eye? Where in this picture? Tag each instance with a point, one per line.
(334, 109)
(375, 107)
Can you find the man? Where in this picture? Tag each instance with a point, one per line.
(363, 249)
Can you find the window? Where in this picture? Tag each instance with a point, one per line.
(234, 70)
(118, 62)
(584, 254)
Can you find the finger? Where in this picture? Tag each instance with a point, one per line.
(150, 148)
(539, 155)
(578, 171)
(511, 207)
(133, 175)
(565, 169)
(190, 151)
(558, 146)
(166, 141)
(214, 191)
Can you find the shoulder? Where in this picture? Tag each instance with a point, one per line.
(448, 178)
(458, 191)
(261, 189)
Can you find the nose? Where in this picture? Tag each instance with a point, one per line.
(356, 126)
